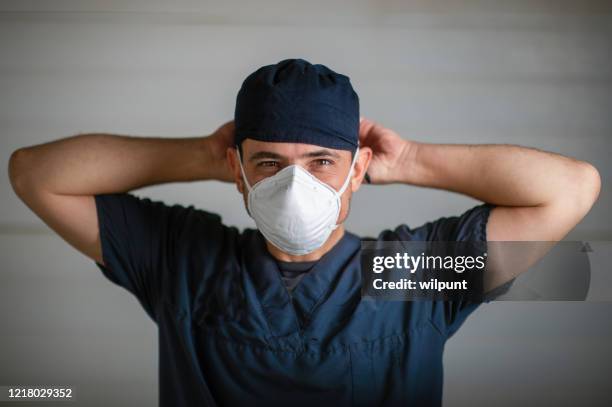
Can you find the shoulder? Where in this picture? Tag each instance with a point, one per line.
(468, 225)
(153, 217)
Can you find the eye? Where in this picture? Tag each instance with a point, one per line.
(324, 162)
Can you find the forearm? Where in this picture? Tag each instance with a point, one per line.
(501, 174)
(88, 164)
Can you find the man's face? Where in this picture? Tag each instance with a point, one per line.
(262, 159)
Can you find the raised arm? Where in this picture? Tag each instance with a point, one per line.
(540, 196)
(58, 180)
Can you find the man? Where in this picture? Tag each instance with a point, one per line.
(274, 315)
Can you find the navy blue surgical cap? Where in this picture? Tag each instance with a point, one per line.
(298, 102)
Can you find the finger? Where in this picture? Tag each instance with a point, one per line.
(365, 126)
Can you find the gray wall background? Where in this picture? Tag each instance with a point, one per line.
(535, 73)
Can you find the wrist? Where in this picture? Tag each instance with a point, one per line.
(206, 154)
(212, 159)
(408, 162)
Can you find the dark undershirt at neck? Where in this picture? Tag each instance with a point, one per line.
(293, 271)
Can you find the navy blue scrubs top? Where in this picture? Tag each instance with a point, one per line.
(231, 335)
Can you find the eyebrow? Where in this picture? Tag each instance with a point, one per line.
(312, 154)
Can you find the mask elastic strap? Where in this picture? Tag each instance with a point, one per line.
(346, 181)
(242, 169)
(348, 178)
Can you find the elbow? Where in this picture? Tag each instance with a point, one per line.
(591, 183)
(581, 188)
(17, 169)
(587, 186)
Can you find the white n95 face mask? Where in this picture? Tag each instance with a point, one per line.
(293, 209)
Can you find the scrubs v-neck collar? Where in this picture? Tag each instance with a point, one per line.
(286, 317)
